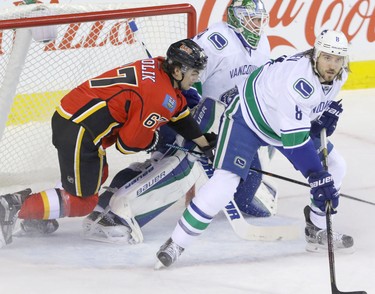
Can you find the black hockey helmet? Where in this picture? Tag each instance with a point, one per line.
(187, 54)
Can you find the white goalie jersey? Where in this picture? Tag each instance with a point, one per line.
(230, 60)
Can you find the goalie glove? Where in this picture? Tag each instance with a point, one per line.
(209, 150)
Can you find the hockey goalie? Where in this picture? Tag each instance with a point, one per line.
(141, 191)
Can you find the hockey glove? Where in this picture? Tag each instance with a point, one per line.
(209, 150)
(192, 97)
(327, 120)
(322, 190)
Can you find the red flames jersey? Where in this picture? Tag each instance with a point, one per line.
(125, 105)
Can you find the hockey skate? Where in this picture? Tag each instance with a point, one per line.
(38, 227)
(105, 227)
(316, 238)
(168, 253)
(10, 204)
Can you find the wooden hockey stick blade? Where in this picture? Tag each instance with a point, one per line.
(248, 231)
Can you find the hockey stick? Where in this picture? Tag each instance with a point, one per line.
(331, 256)
(273, 175)
(253, 232)
(134, 28)
(307, 185)
(241, 226)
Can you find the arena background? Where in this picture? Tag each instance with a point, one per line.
(293, 26)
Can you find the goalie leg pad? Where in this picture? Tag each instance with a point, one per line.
(263, 203)
(255, 196)
(120, 179)
(247, 188)
(154, 200)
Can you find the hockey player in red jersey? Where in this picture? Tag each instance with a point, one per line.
(124, 106)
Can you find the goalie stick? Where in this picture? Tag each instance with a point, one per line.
(248, 231)
(253, 232)
(331, 256)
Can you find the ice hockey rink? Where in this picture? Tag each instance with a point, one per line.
(218, 262)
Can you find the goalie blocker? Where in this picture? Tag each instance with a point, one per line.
(142, 191)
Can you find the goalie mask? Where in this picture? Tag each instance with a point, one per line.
(249, 18)
(187, 54)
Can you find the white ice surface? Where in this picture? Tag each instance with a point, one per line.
(218, 262)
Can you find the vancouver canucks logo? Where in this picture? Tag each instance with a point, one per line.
(218, 40)
(304, 88)
(240, 162)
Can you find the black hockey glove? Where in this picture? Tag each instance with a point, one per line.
(323, 189)
(328, 120)
(209, 150)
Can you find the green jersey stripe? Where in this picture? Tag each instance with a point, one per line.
(254, 110)
(192, 221)
(294, 139)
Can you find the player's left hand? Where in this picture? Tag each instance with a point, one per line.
(328, 120)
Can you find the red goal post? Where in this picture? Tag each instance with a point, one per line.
(35, 74)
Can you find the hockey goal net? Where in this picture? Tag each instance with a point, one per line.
(47, 50)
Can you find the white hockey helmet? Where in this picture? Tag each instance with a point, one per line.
(241, 15)
(331, 42)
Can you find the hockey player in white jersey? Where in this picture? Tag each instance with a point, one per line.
(234, 50)
(287, 113)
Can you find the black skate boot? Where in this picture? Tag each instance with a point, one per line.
(34, 227)
(10, 204)
(316, 238)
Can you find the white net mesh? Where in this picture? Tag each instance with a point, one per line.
(80, 51)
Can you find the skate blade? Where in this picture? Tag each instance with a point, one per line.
(158, 265)
(111, 240)
(2, 241)
(100, 236)
(316, 248)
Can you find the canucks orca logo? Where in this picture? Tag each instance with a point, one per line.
(304, 88)
(218, 41)
(240, 162)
